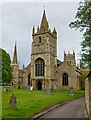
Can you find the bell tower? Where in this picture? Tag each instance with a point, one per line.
(44, 55)
(70, 58)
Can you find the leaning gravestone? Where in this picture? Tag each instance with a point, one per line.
(12, 102)
(48, 91)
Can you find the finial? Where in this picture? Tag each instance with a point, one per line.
(38, 28)
(23, 66)
(64, 55)
(33, 30)
(73, 52)
(54, 30)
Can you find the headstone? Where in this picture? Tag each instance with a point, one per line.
(31, 88)
(18, 86)
(48, 91)
(12, 102)
(71, 92)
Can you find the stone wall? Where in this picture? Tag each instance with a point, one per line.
(88, 96)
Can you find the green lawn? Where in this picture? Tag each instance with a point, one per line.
(32, 102)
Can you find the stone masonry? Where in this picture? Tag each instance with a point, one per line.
(45, 70)
(88, 95)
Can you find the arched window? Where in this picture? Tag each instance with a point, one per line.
(65, 79)
(39, 67)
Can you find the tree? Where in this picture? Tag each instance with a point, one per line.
(6, 68)
(83, 23)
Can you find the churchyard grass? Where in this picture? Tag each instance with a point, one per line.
(32, 102)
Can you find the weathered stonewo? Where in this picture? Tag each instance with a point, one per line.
(88, 95)
(45, 70)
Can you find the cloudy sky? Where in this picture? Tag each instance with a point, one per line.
(19, 17)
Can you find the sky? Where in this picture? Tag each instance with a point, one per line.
(18, 19)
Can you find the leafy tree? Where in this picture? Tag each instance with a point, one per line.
(83, 23)
(85, 72)
(6, 68)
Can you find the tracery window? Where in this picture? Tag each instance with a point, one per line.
(39, 67)
(65, 79)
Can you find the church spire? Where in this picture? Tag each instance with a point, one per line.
(54, 32)
(15, 61)
(44, 24)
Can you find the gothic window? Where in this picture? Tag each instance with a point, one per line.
(39, 67)
(39, 39)
(65, 79)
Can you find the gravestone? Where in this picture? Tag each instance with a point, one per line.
(31, 88)
(18, 86)
(12, 102)
(48, 91)
(71, 92)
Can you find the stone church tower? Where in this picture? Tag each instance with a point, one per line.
(43, 56)
(15, 66)
(70, 58)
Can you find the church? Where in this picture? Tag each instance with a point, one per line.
(45, 70)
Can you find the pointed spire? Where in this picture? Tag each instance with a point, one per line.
(38, 28)
(33, 31)
(15, 61)
(23, 66)
(44, 24)
(64, 52)
(64, 55)
(73, 52)
(54, 32)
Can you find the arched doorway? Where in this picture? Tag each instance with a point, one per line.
(65, 79)
(39, 85)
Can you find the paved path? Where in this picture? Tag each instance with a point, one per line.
(73, 109)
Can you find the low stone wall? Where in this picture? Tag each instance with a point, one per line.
(88, 96)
